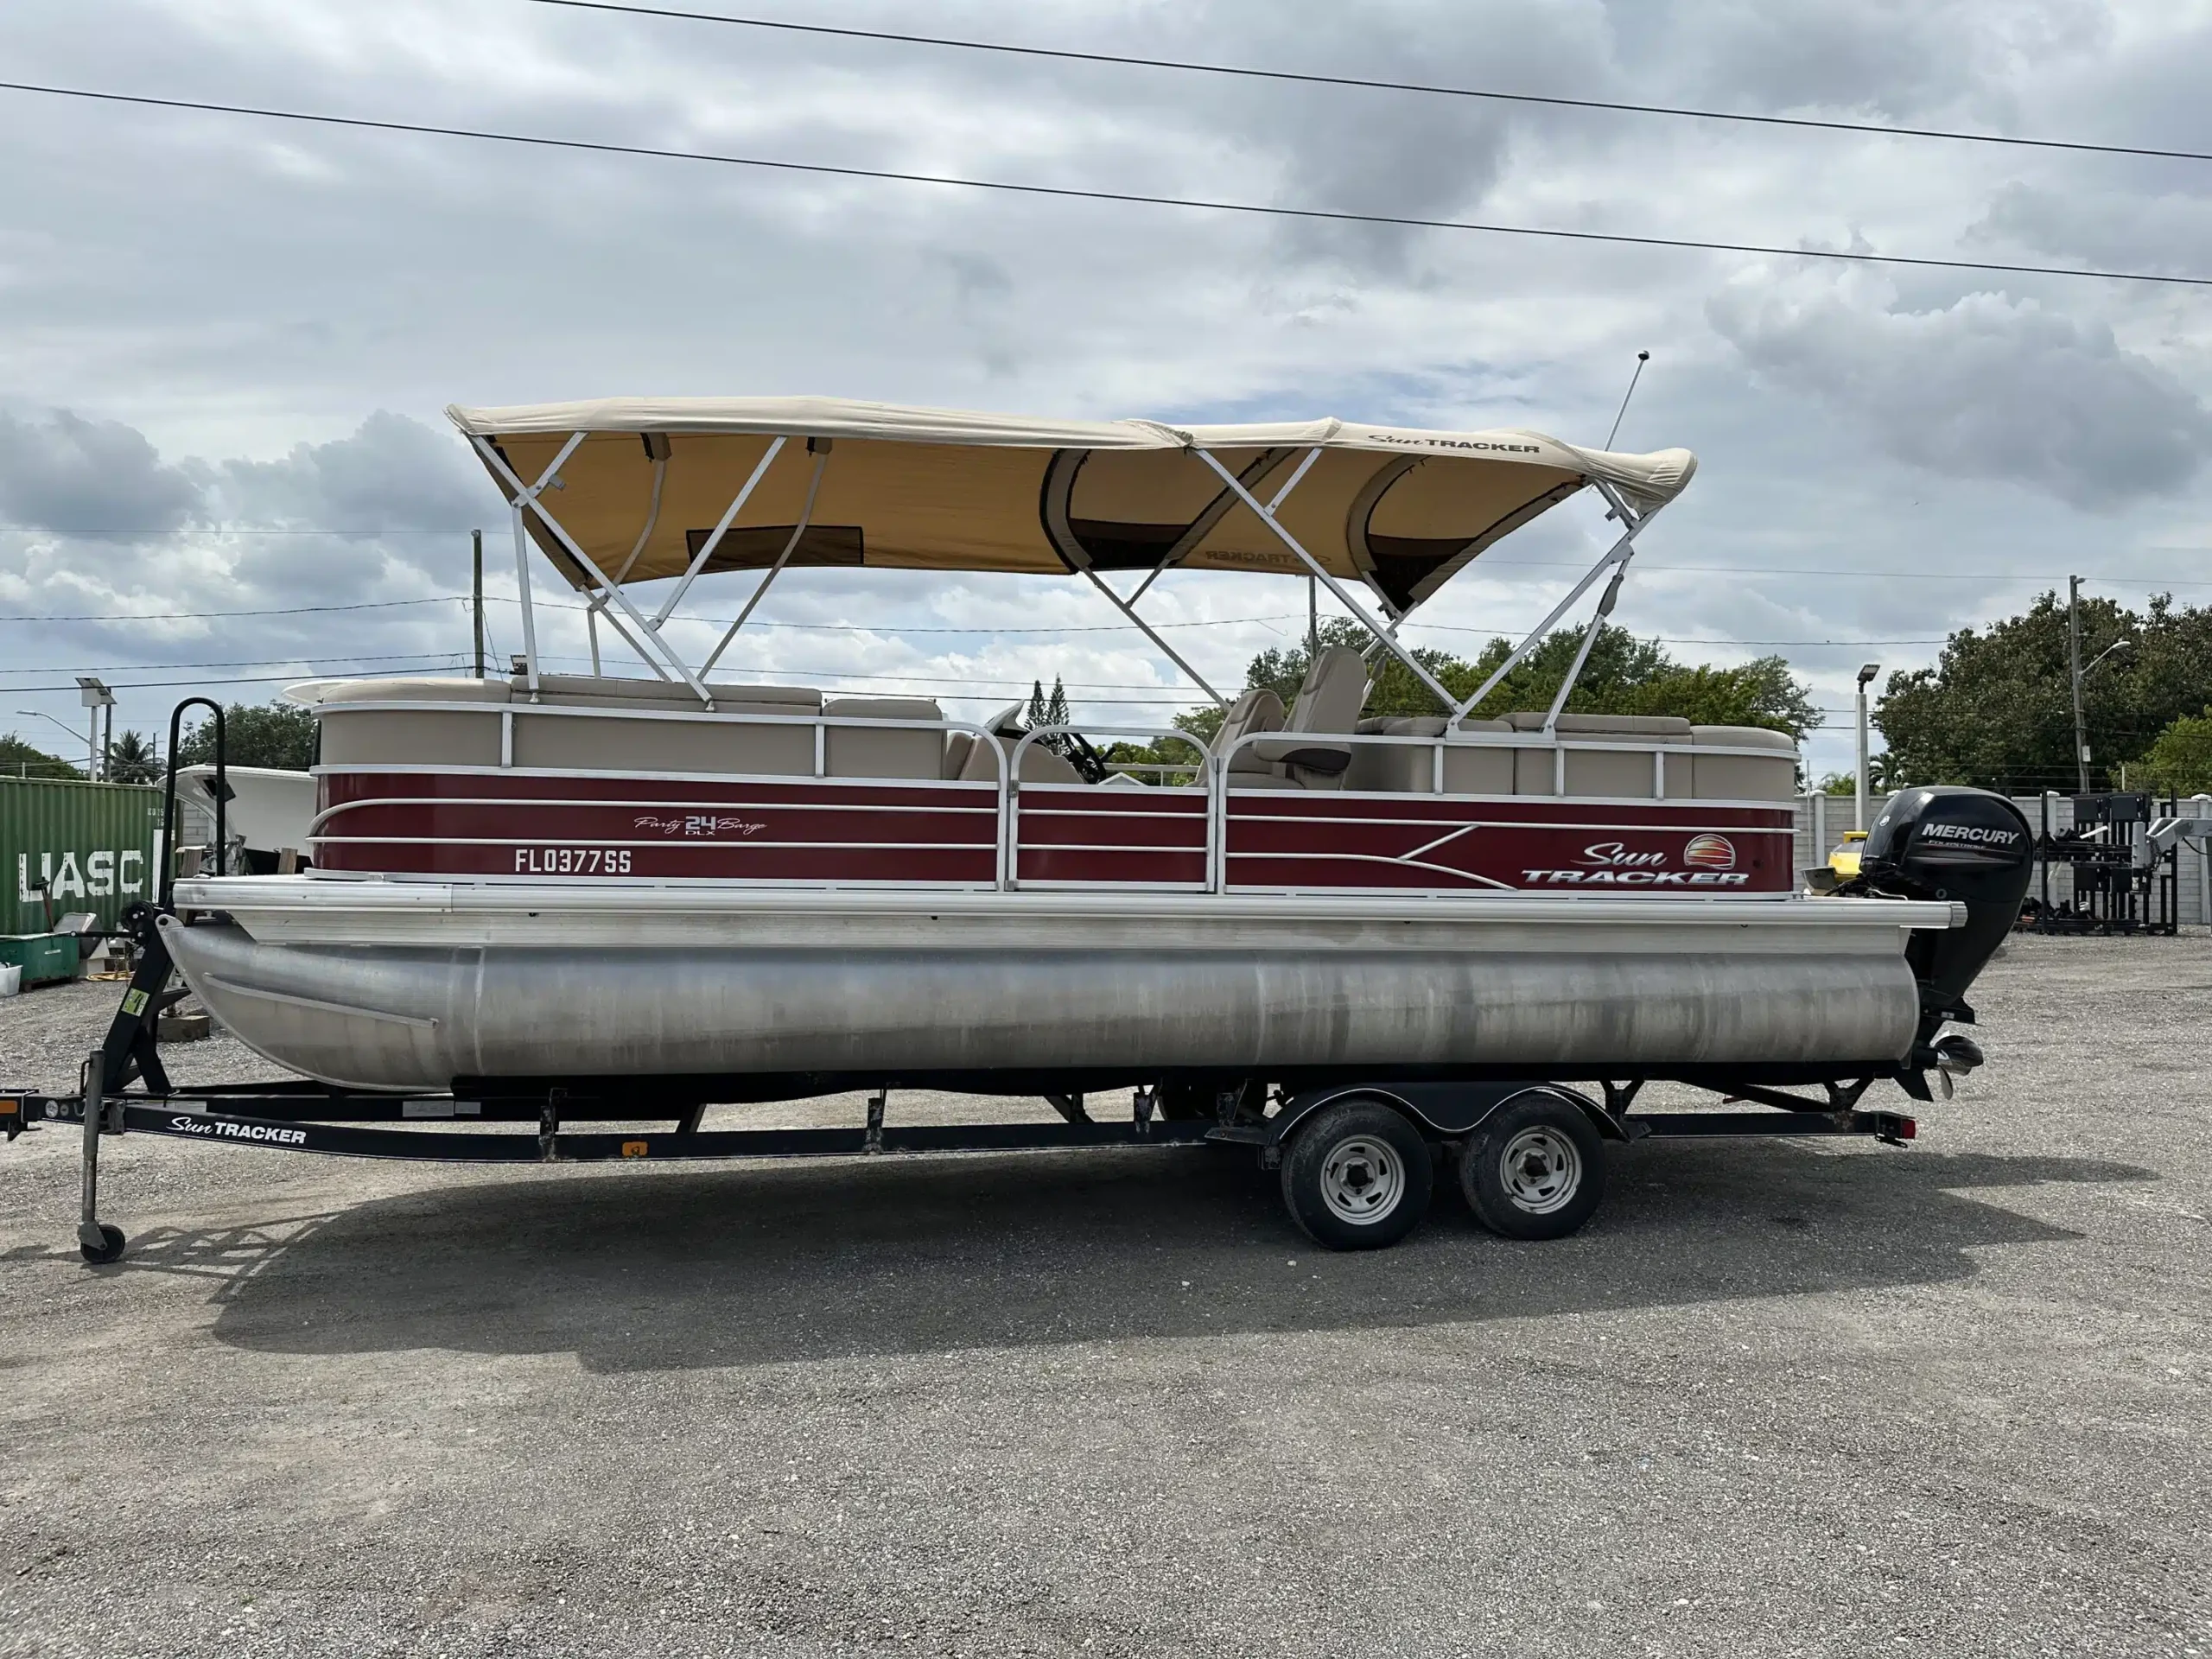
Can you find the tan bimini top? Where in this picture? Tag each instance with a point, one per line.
(946, 490)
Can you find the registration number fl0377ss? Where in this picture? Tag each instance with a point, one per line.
(572, 861)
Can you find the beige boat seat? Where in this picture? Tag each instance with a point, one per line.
(410, 737)
(1767, 777)
(595, 744)
(884, 750)
(1623, 774)
(1038, 764)
(1327, 707)
(958, 748)
(1256, 711)
(1410, 769)
(984, 759)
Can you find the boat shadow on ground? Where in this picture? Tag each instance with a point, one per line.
(650, 1270)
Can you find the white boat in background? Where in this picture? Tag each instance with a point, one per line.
(271, 812)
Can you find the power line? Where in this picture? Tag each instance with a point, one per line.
(209, 530)
(246, 661)
(1429, 89)
(1071, 192)
(212, 616)
(241, 679)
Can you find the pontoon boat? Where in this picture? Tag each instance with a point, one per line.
(693, 887)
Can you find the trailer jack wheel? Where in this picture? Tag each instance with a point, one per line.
(1535, 1168)
(109, 1250)
(1357, 1176)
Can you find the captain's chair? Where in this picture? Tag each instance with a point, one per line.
(1328, 706)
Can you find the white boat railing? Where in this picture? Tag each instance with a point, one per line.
(1209, 772)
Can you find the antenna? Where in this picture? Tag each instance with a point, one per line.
(1641, 358)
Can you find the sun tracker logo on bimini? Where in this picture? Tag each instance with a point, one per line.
(1458, 443)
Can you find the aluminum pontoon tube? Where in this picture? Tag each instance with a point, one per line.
(410, 1018)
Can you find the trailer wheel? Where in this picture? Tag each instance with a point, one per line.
(1357, 1176)
(109, 1250)
(1535, 1168)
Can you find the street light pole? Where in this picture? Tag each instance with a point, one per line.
(2073, 662)
(95, 696)
(41, 713)
(1858, 817)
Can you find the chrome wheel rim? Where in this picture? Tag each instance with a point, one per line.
(1362, 1178)
(1541, 1170)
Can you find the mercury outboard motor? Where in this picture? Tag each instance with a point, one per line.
(1966, 846)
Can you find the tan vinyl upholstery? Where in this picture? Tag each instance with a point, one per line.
(1739, 778)
(613, 744)
(1259, 710)
(1623, 774)
(1408, 768)
(1328, 706)
(1038, 764)
(958, 745)
(885, 751)
(407, 737)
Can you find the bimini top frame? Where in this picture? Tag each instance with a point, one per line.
(674, 489)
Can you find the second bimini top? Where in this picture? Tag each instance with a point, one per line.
(644, 489)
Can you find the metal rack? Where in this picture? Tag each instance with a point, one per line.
(2123, 880)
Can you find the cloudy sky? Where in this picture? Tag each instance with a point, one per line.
(213, 328)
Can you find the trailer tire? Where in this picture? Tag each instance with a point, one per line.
(1535, 1168)
(1357, 1176)
(107, 1251)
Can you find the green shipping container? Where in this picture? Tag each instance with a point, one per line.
(71, 846)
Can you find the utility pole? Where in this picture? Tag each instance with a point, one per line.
(1313, 622)
(476, 595)
(2074, 663)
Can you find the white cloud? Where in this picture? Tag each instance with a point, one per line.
(1985, 387)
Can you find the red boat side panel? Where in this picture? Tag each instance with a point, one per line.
(1277, 840)
(537, 825)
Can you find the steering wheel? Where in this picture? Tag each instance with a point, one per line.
(1086, 760)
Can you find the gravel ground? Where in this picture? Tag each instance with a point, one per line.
(1777, 1398)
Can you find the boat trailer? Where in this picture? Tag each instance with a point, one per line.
(1347, 1148)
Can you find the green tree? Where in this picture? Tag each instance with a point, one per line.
(130, 760)
(1997, 710)
(280, 734)
(21, 760)
(2180, 762)
(1623, 676)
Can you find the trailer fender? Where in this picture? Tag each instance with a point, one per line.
(1448, 1111)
